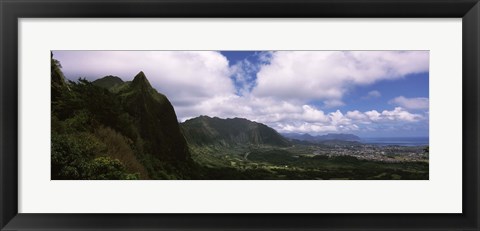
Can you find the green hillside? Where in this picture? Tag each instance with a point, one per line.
(100, 134)
(108, 82)
(205, 130)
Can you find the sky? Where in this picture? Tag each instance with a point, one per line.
(366, 93)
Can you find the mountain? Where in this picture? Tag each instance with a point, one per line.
(319, 138)
(205, 130)
(340, 136)
(108, 82)
(101, 131)
(155, 119)
(338, 142)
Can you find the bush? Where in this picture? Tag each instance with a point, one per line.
(119, 147)
(71, 153)
(73, 158)
(105, 168)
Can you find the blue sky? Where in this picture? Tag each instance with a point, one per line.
(377, 96)
(358, 98)
(367, 93)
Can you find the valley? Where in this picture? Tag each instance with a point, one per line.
(362, 162)
(244, 149)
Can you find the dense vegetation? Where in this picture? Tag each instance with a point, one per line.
(99, 134)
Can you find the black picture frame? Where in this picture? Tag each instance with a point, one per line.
(12, 10)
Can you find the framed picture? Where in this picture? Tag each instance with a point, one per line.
(255, 115)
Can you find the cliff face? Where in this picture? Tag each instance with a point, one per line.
(155, 119)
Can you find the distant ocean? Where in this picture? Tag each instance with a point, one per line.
(401, 141)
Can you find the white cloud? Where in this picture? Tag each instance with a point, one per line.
(185, 77)
(311, 114)
(411, 103)
(294, 117)
(372, 94)
(199, 83)
(306, 128)
(327, 75)
(400, 114)
(373, 115)
(351, 121)
(332, 103)
(359, 116)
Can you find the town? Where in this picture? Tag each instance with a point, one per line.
(391, 153)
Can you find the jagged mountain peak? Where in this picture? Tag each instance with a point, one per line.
(156, 119)
(141, 80)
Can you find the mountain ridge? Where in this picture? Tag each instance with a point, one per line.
(319, 138)
(205, 130)
(108, 82)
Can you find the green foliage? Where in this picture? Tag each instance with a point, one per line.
(86, 99)
(102, 104)
(105, 168)
(73, 158)
(81, 121)
(119, 147)
(57, 79)
(110, 129)
(71, 155)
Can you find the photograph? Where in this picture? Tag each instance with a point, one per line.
(239, 114)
